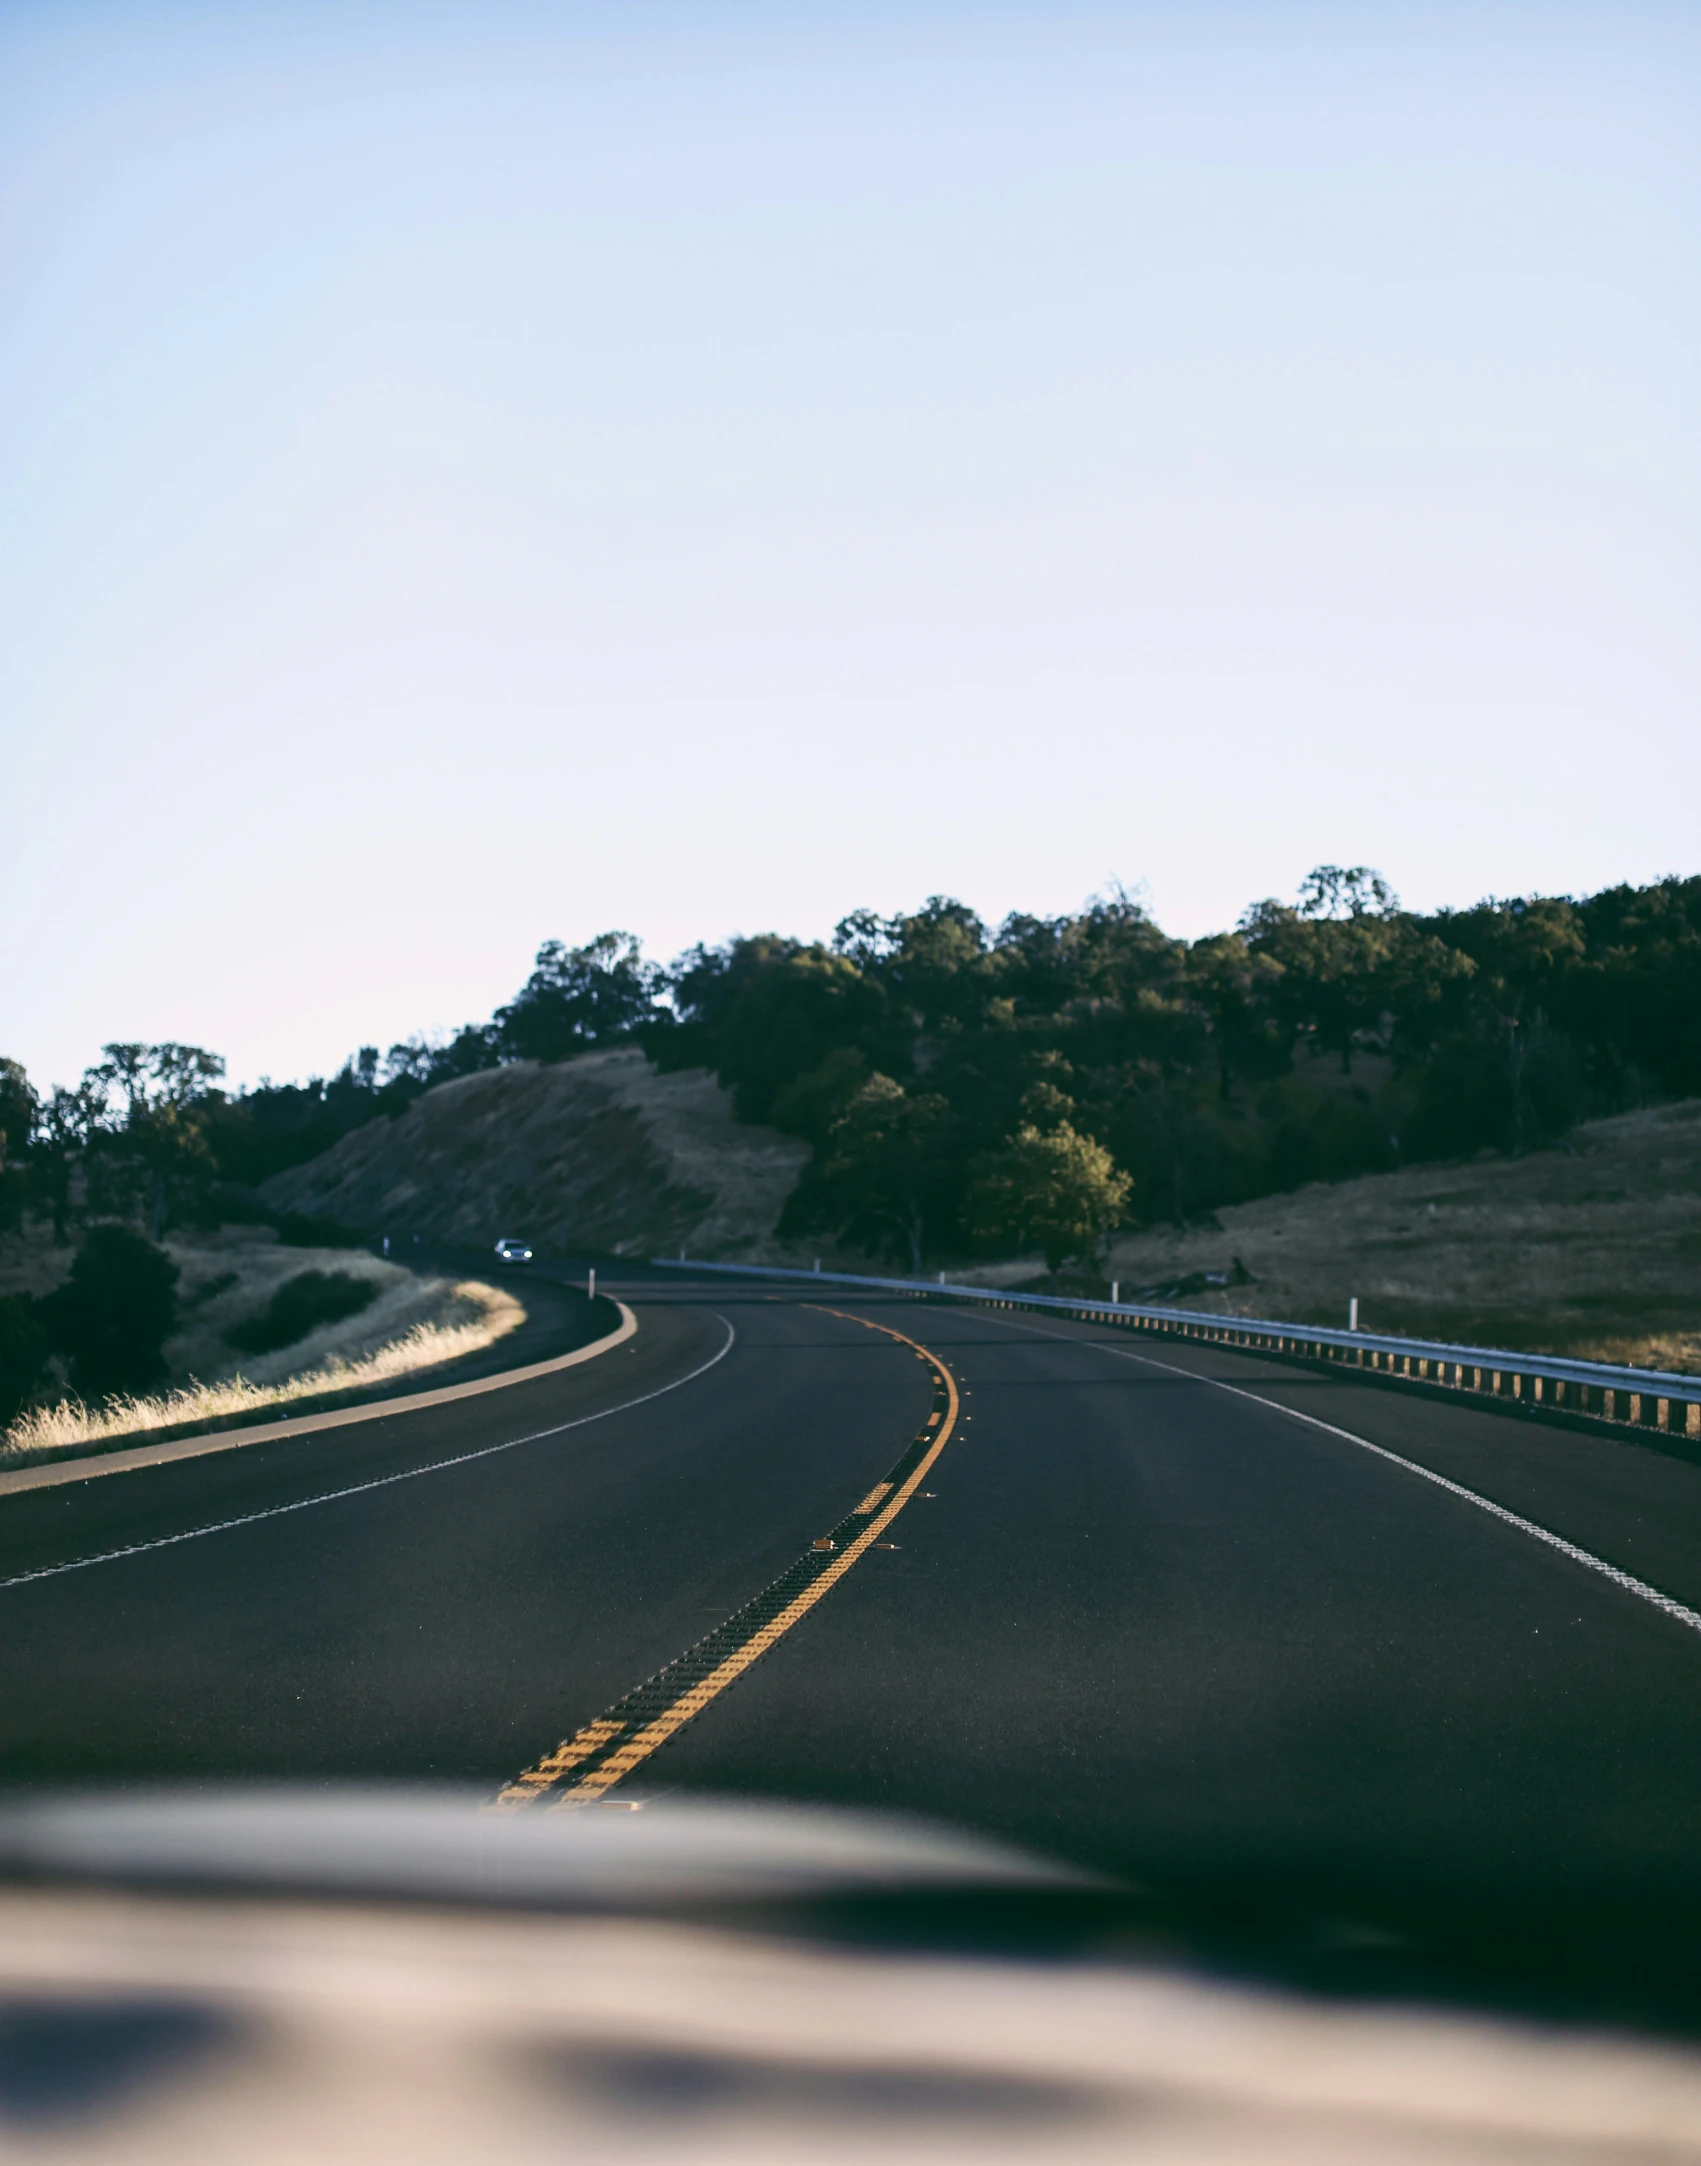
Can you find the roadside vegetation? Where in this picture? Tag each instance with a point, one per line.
(1592, 1251)
(1050, 1084)
(469, 1318)
(1331, 1036)
(300, 1304)
(139, 1335)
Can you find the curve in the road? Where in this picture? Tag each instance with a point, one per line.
(53, 1474)
(1244, 1662)
(604, 1752)
(1585, 1557)
(382, 1481)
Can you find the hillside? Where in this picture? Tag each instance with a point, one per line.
(601, 1152)
(1592, 1250)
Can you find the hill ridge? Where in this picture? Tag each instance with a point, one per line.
(599, 1152)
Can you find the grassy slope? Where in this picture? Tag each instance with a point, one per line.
(403, 1301)
(229, 1276)
(413, 1323)
(596, 1153)
(1594, 1251)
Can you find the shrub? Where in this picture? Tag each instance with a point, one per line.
(23, 1351)
(299, 1306)
(113, 1315)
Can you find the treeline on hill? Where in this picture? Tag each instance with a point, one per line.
(966, 1087)
(927, 1057)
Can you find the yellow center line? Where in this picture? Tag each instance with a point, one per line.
(561, 1761)
(637, 1749)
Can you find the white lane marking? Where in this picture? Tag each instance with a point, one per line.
(1585, 1557)
(383, 1481)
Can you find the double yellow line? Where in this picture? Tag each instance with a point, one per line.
(882, 1504)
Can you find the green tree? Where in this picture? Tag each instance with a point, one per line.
(1346, 891)
(114, 1313)
(764, 1012)
(1335, 973)
(576, 998)
(886, 1175)
(1054, 1188)
(23, 1351)
(1237, 989)
(19, 1110)
(65, 1128)
(158, 1142)
(932, 964)
(811, 1104)
(1355, 970)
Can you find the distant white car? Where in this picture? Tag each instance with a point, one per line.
(512, 1252)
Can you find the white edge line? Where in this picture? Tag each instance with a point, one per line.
(383, 1481)
(1586, 1557)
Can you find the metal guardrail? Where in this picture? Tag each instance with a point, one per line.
(1549, 1383)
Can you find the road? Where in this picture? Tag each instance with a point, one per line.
(1127, 1616)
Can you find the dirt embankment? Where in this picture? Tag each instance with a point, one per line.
(602, 1152)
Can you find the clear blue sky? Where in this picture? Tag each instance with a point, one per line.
(475, 473)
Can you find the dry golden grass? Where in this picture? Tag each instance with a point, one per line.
(228, 1279)
(223, 1277)
(470, 1317)
(31, 1262)
(599, 1152)
(1593, 1252)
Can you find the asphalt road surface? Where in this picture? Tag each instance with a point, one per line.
(1120, 1614)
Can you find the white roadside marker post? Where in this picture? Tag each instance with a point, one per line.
(1352, 1313)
